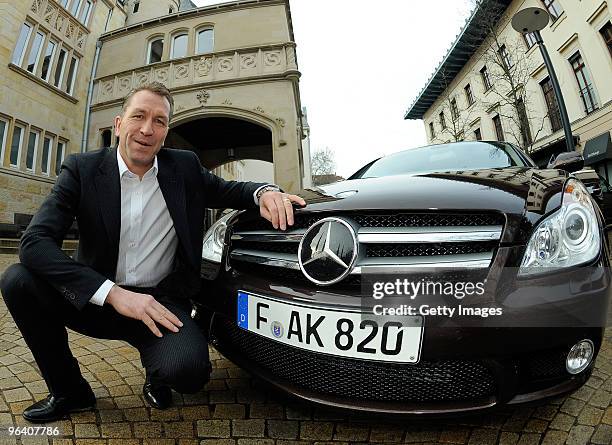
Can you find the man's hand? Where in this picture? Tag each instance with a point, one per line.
(142, 307)
(277, 208)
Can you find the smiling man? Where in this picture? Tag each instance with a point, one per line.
(140, 210)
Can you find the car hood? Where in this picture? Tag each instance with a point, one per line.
(516, 190)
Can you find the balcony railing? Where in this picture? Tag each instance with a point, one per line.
(202, 68)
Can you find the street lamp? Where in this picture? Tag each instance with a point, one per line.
(533, 20)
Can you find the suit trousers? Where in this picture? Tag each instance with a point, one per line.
(179, 360)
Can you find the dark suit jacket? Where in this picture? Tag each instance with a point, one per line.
(88, 188)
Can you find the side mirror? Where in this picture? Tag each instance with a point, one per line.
(569, 161)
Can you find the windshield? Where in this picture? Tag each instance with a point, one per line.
(445, 157)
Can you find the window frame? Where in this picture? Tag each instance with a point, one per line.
(36, 61)
(51, 59)
(554, 9)
(499, 129)
(552, 106)
(79, 4)
(61, 66)
(70, 81)
(26, 44)
(469, 95)
(486, 80)
(22, 127)
(454, 109)
(150, 47)
(51, 138)
(607, 29)
(4, 138)
(579, 67)
(529, 39)
(432, 130)
(197, 42)
(478, 134)
(59, 161)
(85, 20)
(505, 56)
(36, 133)
(442, 120)
(173, 45)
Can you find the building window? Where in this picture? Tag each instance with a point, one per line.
(554, 8)
(107, 137)
(35, 52)
(156, 49)
(64, 3)
(3, 132)
(504, 56)
(74, 8)
(606, 33)
(468, 94)
(179, 46)
(530, 39)
(22, 42)
(206, 41)
(58, 77)
(48, 59)
(554, 115)
(45, 163)
(454, 110)
(59, 156)
(524, 120)
(587, 91)
(486, 80)
(442, 121)
(478, 134)
(32, 149)
(432, 130)
(136, 7)
(499, 131)
(74, 66)
(85, 12)
(170, 10)
(15, 155)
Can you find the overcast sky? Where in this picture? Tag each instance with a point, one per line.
(363, 62)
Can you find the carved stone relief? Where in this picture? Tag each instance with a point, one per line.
(50, 14)
(124, 84)
(203, 66)
(81, 39)
(181, 71)
(36, 6)
(259, 109)
(248, 61)
(272, 58)
(142, 78)
(225, 64)
(203, 97)
(59, 22)
(161, 75)
(227, 102)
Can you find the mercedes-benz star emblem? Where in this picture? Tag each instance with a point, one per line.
(328, 251)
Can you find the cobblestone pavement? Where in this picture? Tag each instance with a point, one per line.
(237, 409)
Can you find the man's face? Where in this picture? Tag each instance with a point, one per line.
(142, 129)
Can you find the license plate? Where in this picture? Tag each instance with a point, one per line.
(330, 331)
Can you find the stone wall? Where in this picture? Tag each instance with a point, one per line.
(21, 193)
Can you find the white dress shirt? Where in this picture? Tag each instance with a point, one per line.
(147, 241)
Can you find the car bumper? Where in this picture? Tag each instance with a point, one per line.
(462, 367)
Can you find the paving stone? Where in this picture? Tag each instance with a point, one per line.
(84, 417)
(554, 437)
(580, 435)
(158, 441)
(572, 406)
(136, 414)
(590, 416)
(147, 429)
(248, 428)
(16, 395)
(123, 442)
(601, 399)
(178, 429)
(229, 411)
(85, 430)
(316, 430)
(34, 440)
(386, 433)
(227, 396)
(218, 442)
(258, 442)
(535, 426)
(483, 437)
(562, 422)
(188, 442)
(116, 430)
(195, 412)
(8, 440)
(166, 414)
(529, 439)
(110, 415)
(584, 393)
(266, 411)
(299, 412)
(603, 435)
(283, 429)
(607, 418)
(128, 402)
(213, 428)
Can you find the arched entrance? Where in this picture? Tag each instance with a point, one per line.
(218, 140)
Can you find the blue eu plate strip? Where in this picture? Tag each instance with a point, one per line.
(243, 310)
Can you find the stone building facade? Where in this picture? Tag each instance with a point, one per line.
(467, 88)
(65, 66)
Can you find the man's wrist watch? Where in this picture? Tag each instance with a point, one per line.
(267, 188)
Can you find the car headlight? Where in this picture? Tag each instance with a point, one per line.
(214, 240)
(568, 237)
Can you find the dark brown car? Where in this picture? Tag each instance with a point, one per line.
(514, 285)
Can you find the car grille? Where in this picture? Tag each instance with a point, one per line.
(437, 241)
(435, 381)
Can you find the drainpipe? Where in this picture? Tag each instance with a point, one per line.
(94, 68)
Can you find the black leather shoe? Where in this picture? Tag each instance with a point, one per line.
(55, 407)
(158, 396)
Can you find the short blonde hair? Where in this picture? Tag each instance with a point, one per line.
(154, 87)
